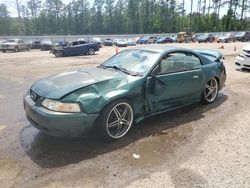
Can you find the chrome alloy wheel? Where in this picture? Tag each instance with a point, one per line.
(119, 120)
(91, 51)
(211, 90)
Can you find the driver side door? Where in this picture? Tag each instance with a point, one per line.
(175, 82)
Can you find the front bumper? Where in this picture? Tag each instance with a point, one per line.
(7, 48)
(242, 62)
(57, 123)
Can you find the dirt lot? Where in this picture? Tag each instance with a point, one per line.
(198, 146)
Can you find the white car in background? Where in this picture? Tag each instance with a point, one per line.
(242, 61)
(14, 45)
(122, 43)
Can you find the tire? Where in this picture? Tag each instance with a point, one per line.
(122, 115)
(210, 91)
(91, 51)
(16, 49)
(28, 48)
(59, 53)
(4, 51)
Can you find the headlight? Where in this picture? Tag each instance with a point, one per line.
(61, 107)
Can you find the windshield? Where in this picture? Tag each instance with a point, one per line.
(226, 35)
(240, 33)
(11, 41)
(205, 35)
(122, 40)
(134, 61)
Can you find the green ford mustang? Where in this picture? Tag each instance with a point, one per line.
(127, 88)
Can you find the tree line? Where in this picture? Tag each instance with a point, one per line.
(53, 17)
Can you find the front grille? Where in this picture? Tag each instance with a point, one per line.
(246, 65)
(34, 96)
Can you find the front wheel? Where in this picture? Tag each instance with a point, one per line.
(116, 120)
(91, 51)
(59, 53)
(16, 49)
(210, 91)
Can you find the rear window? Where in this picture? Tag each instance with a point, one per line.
(209, 56)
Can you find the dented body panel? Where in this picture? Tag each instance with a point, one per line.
(96, 88)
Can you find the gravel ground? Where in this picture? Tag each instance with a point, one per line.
(197, 146)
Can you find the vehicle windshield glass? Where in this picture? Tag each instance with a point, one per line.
(9, 41)
(134, 61)
(205, 35)
(240, 33)
(226, 35)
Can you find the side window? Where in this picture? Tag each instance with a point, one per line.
(178, 62)
(74, 43)
(82, 42)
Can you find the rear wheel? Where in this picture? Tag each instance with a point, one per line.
(4, 51)
(91, 51)
(210, 91)
(116, 120)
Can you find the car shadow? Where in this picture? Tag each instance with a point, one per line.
(51, 152)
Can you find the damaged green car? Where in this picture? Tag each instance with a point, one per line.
(127, 88)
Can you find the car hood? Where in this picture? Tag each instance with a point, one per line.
(8, 43)
(58, 86)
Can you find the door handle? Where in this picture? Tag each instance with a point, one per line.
(195, 77)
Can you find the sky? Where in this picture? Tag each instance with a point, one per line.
(11, 5)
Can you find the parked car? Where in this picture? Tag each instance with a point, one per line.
(46, 45)
(206, 37)
(76, 48)
(242, 61)
(108, 42)
(163, 40)
(243, 36)
(185, 37)
(228, 37)
(36, 44)
(127, 88)
(147, 40)
(122, 43)
(174, 38)
(142, 40)
(98, 41)
(131, 42)
(14, 45)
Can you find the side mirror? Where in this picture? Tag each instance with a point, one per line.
(150, 84)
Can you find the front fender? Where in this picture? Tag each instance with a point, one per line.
(94, 99)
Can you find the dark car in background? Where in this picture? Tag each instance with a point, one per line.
(76, 48)
(206, 37)
(36, 44)
(46, 45)
(108, 42)
(228, 37)
(163, 40)
(243, 36)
